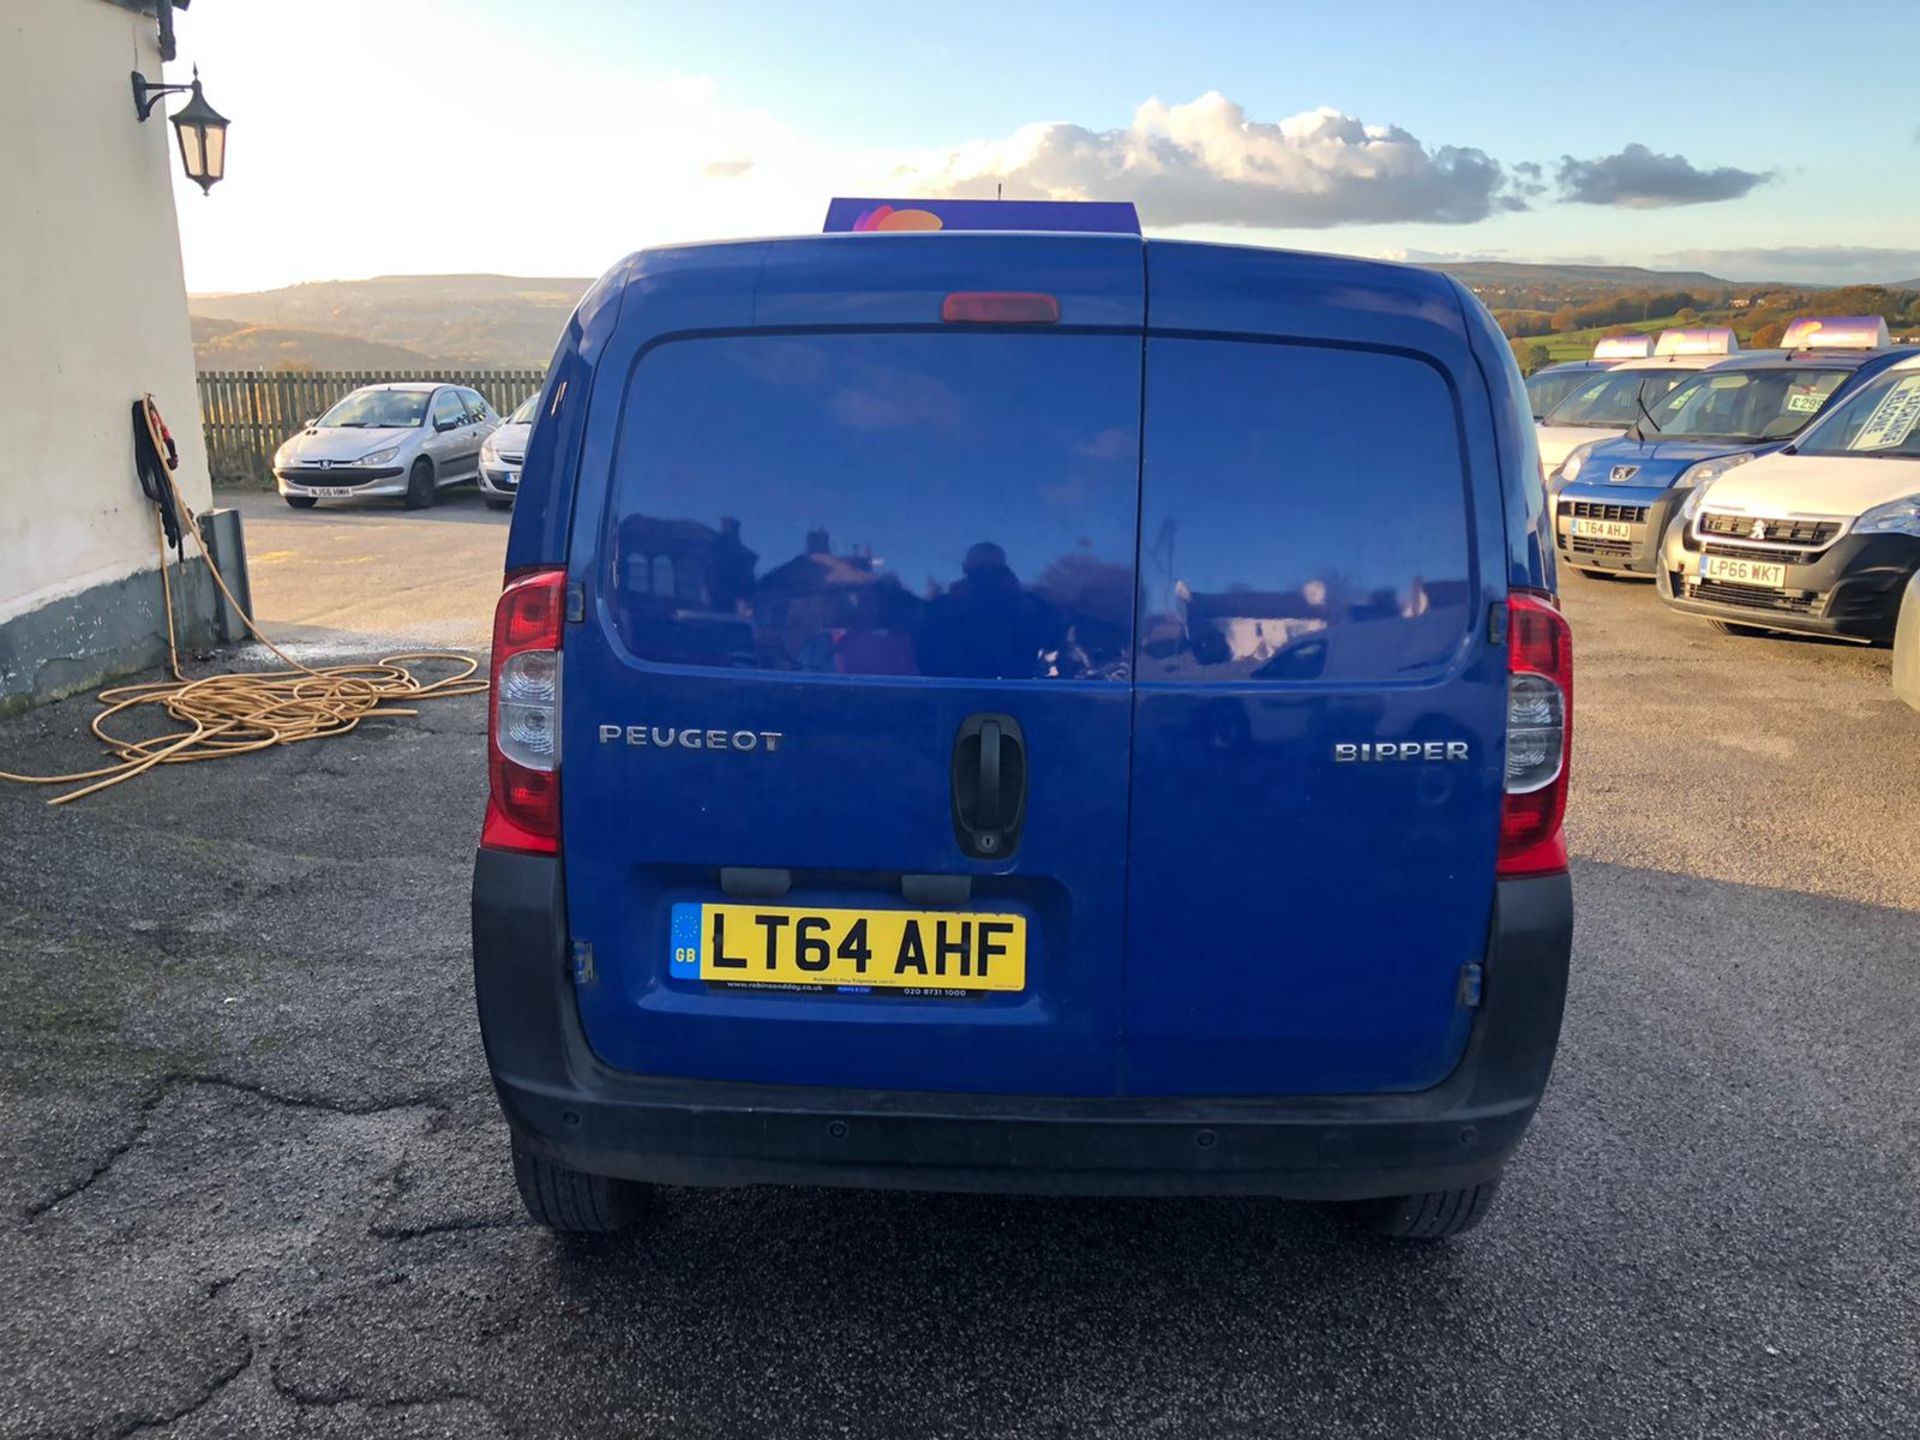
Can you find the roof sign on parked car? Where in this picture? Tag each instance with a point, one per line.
(1102, 217)
(1707, 340)
(1837, 332)
(1623, 347)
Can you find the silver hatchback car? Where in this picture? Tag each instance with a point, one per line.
(504, 453)
(407, 439)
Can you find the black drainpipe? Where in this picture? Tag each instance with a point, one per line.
(163, 12)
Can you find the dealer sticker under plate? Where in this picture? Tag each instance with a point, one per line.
(925, 951)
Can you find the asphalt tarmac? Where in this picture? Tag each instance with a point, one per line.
(253, 1180)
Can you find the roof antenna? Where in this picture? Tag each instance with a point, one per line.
(997, 188)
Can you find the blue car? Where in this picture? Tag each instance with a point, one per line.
(999, 711)
(1613, 498)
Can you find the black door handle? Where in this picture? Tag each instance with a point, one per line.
(989, 775)
(989, 785)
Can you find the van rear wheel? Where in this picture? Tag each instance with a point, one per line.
(571, 1200)
(1430, 1215)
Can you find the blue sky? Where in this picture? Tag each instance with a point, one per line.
(1750, 140)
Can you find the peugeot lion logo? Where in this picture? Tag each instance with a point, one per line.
(1759, 531)
(1620, 474)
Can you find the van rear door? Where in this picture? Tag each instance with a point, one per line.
(847, 714)
(1319, 727)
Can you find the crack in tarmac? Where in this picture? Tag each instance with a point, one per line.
(214, 1388)
(329, 1399)
(443, 1227)
(170, 1084)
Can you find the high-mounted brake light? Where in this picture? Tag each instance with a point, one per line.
(999, 307)
(1539, 737)
(523, 723)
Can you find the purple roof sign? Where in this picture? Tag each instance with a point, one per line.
(1100, 217)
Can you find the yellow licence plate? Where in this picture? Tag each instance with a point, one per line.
(919, 950)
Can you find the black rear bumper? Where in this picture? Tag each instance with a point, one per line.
(563, 1103)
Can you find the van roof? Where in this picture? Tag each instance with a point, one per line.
(1843, 359)
(837, 260)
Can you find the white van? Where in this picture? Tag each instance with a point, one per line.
(1820, 538)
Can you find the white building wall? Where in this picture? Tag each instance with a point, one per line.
(93, 307)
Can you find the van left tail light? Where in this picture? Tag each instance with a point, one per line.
(523, 721)
(1539, 737)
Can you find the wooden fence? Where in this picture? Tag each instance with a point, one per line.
(247, 413)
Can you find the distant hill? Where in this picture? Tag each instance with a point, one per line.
(463, 321)
(454, 320)
(1627, 277)
(236, 345)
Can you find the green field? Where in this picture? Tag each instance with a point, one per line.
(1578, 344)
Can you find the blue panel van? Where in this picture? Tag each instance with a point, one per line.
(1056, 713)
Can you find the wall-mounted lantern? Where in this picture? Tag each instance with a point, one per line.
(201, 128)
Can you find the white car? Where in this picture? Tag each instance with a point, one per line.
(1608, 404)
(1820, 538)
(503, 453)
(408, 439)
(1551, 384)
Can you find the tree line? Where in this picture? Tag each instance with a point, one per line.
(1760, 324)
(1625, 307)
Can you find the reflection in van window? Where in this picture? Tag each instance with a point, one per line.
(1303, 516)
(907, 504)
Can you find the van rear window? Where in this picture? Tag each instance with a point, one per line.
(933, 504)
(1304, 516)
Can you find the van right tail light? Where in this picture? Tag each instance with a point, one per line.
(523, 719)
(1539, 737)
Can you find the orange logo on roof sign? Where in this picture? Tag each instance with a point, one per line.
(885, 217)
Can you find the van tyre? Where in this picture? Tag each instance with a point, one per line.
(572, 1201)
(494, 502)
(1736, 629)
(1595, 574)
(301, 502)
(1431, 1215)
(421, 491)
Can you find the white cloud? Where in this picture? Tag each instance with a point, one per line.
(1204, 162)
(1412, 255)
